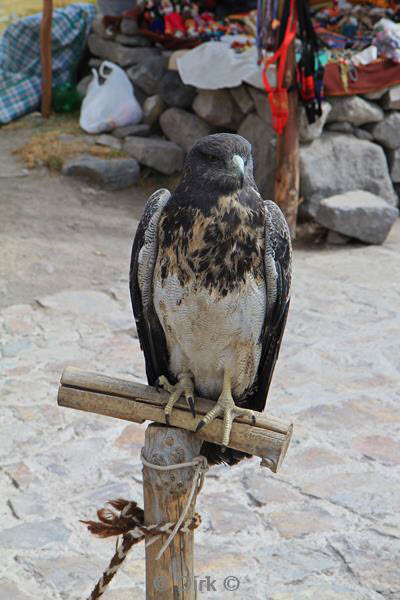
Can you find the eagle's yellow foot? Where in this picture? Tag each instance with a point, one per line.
(184, 386)
(225, 405)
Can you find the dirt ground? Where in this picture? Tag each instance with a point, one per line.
(52, 228)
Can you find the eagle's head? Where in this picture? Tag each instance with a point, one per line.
(221, 162)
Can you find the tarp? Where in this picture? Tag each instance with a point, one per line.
(20, 68)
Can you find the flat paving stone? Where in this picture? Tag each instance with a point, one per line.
(34, 535)
(9, 590)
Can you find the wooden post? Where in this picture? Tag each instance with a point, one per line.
(287, 176)
(165, 494)
(45, 56)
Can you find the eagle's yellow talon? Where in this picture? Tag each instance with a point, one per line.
(225, 405)
(184, 387)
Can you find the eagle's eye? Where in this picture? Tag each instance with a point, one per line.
(213, 159)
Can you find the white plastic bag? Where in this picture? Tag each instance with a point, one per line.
(109, 104)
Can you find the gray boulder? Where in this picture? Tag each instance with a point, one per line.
(117, 53)
(153, 108)
(394, 163)
(101, 29)
(391, 100)
(311, 131)
(148, 74)
(377, 95)
(133, 40)
(359, 215)
(355, 110)
(112, 174)
(263, 141)
(216, 107)
(105, 139)
(129, 26)
(156, 153)
(387, 132)
(340, 127)
(174, 92)
(141, 130)
(243, 99)
(183, 128)
(397, 188)
(261, 103)
(363, 134)
(337, 163)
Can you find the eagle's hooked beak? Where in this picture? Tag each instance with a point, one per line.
(238, 167)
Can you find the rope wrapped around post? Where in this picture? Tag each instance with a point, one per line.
(130, 522)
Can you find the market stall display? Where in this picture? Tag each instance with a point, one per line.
(346, 74)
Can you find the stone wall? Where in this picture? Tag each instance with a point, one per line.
(354, 146)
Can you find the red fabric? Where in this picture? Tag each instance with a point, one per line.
(370, 78)
(278, 97)
(174, 22)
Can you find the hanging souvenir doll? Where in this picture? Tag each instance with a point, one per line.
(190, 14)
(173, 20)
(179, 21)
(152, 17)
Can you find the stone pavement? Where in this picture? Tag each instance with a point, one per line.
(326, 527)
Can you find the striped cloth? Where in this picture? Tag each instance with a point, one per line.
(20, 69)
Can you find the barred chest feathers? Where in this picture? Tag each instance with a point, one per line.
(209, 293)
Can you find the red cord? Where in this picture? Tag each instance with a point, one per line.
(278, 96)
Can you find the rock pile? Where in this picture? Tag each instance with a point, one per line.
(358, 214)
(355, 145)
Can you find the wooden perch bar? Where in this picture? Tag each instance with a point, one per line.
(83, 390)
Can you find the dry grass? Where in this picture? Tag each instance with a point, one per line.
(67, 122)
(12, 10)
(55, 140)
(46, 148)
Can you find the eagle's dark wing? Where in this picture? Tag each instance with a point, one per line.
(278, 271)
(143, 259)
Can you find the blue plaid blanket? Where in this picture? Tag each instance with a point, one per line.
(20, 69)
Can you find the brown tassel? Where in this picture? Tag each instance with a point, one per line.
(130, 519)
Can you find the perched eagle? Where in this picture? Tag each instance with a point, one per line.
(210, 286)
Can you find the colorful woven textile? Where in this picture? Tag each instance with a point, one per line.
(20, 68)
(369, 78)
(379, 3)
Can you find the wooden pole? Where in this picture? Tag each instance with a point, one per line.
(45, 56)
(83, 390)
(287, 175)
(165, 494)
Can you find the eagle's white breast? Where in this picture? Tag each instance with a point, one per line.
(207, 332)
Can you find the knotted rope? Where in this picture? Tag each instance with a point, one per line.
(130, 522)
